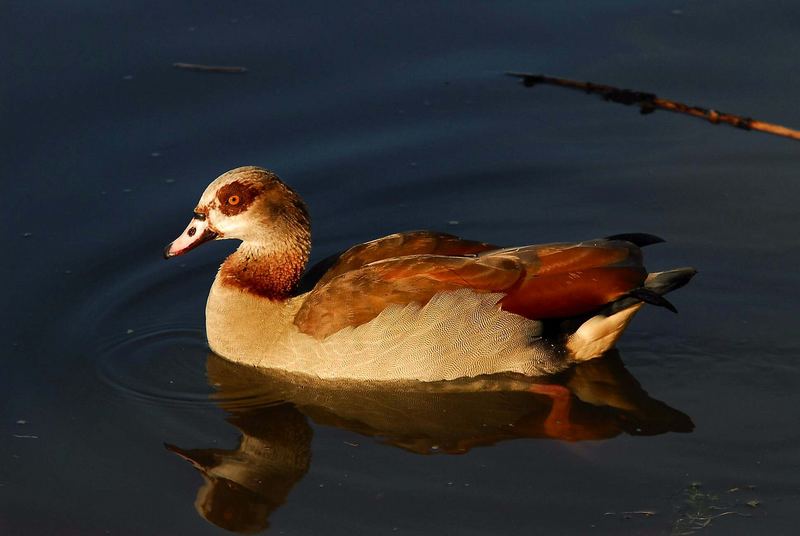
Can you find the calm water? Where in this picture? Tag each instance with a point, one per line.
(389, 116)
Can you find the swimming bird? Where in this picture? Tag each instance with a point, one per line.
(419, 305)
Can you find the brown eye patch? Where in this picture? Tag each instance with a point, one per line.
(236, 197)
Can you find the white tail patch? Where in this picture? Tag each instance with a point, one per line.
(598, 334)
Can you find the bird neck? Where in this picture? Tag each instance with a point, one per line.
(265, 270)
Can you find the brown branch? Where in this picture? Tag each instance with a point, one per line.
(209, 68)
(649, 102)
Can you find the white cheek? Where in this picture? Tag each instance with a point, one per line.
(230, 226)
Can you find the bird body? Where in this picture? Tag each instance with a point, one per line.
(419, 305)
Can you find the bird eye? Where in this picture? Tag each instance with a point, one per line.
(233, 200)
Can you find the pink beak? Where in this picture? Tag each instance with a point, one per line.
(197, 232)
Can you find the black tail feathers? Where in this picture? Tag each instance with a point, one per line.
(649, 296)
(655, 286)
(639, 239)
(663, 282)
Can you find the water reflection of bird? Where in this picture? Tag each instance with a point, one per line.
(598, 399)
(243, 486)
(410, 306)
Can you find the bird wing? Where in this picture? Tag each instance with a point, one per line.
(565, 280)
(543, 281)
(401, 245)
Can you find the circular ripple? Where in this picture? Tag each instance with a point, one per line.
(166, 365)
(162, 365)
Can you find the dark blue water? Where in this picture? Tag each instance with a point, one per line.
(385, 117)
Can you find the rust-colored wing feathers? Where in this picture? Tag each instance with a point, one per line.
(402, 245)
(545, 281)
(563, 280)
(358, 296)
(568, 294)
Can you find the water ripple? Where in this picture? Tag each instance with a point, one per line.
(166, 366)
(159, 364)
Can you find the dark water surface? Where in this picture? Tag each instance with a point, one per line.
(385, 117)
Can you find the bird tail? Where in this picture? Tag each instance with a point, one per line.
(599, 333)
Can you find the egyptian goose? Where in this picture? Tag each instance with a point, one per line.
(418, 305)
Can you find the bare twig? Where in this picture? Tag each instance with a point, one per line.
(649, 102)
(210, 68)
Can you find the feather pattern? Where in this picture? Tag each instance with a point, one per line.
(537, 282)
